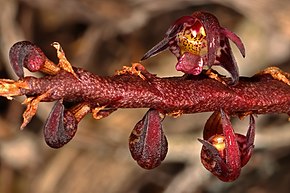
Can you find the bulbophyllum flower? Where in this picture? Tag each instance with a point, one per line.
(197, 41)
(225, 152)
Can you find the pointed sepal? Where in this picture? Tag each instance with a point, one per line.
(211, 159)
(225, 59)
(234, 38)
(161, 46)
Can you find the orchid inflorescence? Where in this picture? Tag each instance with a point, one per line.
(198, 42)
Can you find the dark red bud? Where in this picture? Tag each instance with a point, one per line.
(26, 54)
(60, 126)
(147, 142)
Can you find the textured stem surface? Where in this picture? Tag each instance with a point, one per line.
(259, 94)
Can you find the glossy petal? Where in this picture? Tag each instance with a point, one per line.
(226, 59)
(212, 30)
(190, 64)
(233, 157)
(147, 142)
(249, 144)
(213, 126)
(234, 38)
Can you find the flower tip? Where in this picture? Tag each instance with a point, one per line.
(28, 55)
(234, 38)
(161, 46)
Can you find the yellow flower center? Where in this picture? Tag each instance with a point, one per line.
(218, 141)
(192, 39)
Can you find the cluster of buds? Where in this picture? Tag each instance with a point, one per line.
(61, 124)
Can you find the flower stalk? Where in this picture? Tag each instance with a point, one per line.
(78, 92)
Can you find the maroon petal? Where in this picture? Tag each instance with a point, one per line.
(232, 151)
(147, 142)
(60, 126)
(251, 132)
(249, 144)
(16, 58)
(213, 126)
(225, 58)
(234, 38)
(212, 160)
(218, 44)
(212, 29)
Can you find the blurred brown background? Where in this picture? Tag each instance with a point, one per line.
(102, 36)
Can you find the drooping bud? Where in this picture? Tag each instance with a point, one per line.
(60, 126)
(147, 142)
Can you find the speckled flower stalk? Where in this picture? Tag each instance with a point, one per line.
(259, 94)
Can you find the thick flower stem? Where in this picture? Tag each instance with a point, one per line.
(259, 94)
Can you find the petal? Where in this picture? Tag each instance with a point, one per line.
(213, 126)
(16, 58)
(250, 138)
(225, 58)
(212, 160)
(234, 38)
(26, 54)
(212, 29)
(190, 64)
(251, 132)
(233, 157)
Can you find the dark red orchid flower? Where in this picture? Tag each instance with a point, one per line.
(225, 152)
(197, 41)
